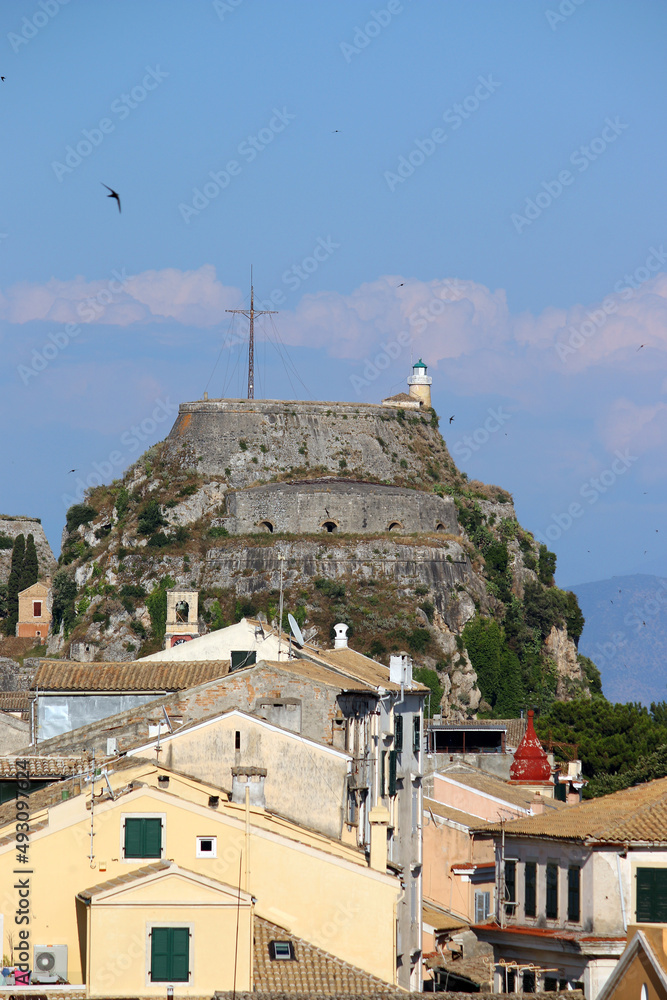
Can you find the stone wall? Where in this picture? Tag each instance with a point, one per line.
(250, 441)
(13, 526)
(328, 505)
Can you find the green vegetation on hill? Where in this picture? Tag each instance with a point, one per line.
(24, 571)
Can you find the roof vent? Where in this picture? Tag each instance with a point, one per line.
(340, 630)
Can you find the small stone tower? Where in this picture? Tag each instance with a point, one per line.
(182, 617)
(420, 384)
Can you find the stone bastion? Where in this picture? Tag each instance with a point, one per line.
(252, 440)
(328, 505)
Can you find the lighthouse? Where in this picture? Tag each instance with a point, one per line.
(420, 384)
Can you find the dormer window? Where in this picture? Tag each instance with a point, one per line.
(282, 951)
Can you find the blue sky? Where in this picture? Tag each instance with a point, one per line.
(495, 188)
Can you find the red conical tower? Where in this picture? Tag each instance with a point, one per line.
(531, 764)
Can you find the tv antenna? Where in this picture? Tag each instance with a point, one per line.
(250, 314)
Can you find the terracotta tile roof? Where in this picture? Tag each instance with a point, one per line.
(68, 675)
(448, 813)
(488, 784)
(318, 671)
(134, 876)
(633, 815)
(312, 971)
(42, 767)
(357, 666)
(15, 701)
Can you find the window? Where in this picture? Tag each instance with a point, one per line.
(552, 892)
(482, 906)
(242, 658)
(143, 837)
(383, 767)
(529, 982)
(510, 886)
(282, 951)
(550, 983)
(392, 772)
(170, 954)
(530, 889)
(652, 895)
(398, 732)
(37, 609)
(207, 847)
(574, 893)
(416, 735)
(237, 740)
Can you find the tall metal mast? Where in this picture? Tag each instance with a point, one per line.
(250, 314)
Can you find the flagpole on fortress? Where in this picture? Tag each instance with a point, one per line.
(250, 314)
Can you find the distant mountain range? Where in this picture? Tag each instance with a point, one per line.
(626, 635)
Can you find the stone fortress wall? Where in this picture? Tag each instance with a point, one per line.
(252, 440)
(11, 526)
(333, 506)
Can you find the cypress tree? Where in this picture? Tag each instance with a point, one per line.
(13, 585)
(30, 567)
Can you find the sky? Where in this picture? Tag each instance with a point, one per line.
(486, 177)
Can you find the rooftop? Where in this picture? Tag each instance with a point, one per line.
(634, 816)
(69, 675)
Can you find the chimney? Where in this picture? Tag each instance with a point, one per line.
(253, 779)
(340, 642)
(400, 669)
(379, 820)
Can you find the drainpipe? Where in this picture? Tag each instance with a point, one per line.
(620, 891)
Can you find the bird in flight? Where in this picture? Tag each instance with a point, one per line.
(335, 130)
(71, 470)
(640, 347)
(451, 420)
(2, 78)
(401, 284)
(113, 194)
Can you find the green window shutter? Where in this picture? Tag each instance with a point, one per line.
(133, 838)
(143, 837)
(552, 892)
(170, 955)
(242, 658)
(383, 766)
(180, 954)
(392, 772)
(652, 895)
(510, 883)
(530, 889)
(398, 732)
(416, 735)
(160, 954)
(573, 893)
(152, 838)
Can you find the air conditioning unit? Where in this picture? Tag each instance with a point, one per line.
(50, 963)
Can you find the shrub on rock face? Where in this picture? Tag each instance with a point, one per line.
(150, 519)
(79, 514)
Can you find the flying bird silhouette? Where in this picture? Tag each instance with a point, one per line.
(2, 78)
(113, 194)
(335, 130)
(451, 420)
(640, 347)
(401, 284)
(71, 470)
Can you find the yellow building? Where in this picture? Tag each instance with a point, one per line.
(147, 883)
(34, 611)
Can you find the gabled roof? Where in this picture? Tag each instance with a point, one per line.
(356, 666)
(489, 784)
(69, 675)
(35, 588)
(650, 942)
(634, 816)
(154, 870)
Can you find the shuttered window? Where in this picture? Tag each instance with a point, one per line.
(170, 955)
(392, 772)
(652, 895)
(383, 767)
(574, 893)
(510, 886)
(482, 906)
(143, 837)
(552, 892)
(416, 735)
(398, 732)
(530, 889)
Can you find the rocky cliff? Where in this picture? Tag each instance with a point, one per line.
(10, 527)
(175, 520)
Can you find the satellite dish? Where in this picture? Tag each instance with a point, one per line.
(296, 631)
